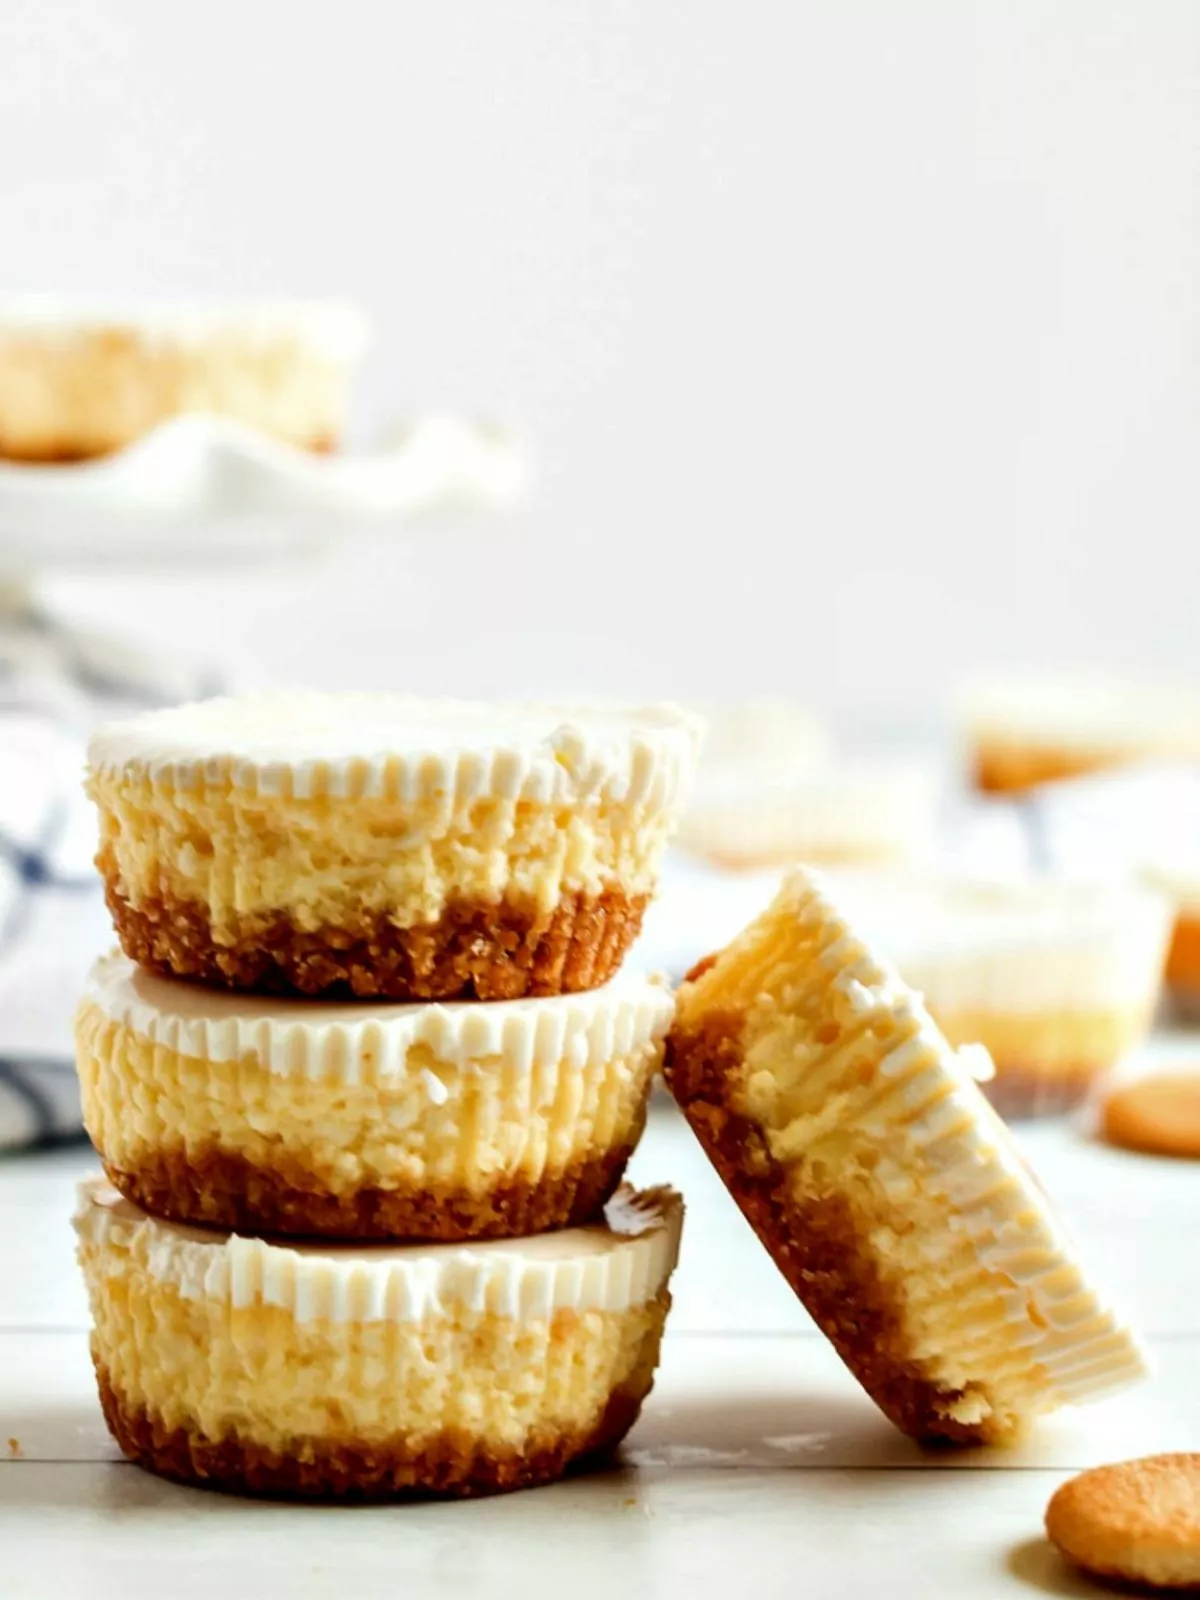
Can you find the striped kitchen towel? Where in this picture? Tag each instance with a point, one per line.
(54, 686)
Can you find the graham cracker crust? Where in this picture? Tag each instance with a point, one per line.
(816, 1246)
(453, 1464)
(64, 452)
(1005, 770)
(214, 1188)
(474, 950)
(1183, 956)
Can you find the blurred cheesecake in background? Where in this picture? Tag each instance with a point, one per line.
(771, 791)
(1057, 979)
(766, 733)
(80, 380)
(1181, 882)
(1024, 731)
(1143, 823)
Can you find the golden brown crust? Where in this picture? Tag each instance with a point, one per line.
(1135, 1521)
(215, 1188)
(64, 451)
(454, 1464)
(816, 1246)
(705, 964)
(1158, 1114)
(1011, 769)
(1183, 957)
(489, 952)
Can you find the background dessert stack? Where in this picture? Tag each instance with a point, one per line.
(364, 1080)
(773, 789)
(80, 380)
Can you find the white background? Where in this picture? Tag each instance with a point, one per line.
(857, 342)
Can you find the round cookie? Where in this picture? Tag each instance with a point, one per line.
(1135, 1521)
(1159, 1114)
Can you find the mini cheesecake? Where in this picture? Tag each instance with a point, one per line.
(359, 1372)
(1179, 880)
(383, 846)
(80, 380)
(1028, 731)
(771, 791)
(1058, 979)
(276, 1116)
(886, 1189)
(769, 733)
(773, 813)
(1143, 822)
(1183, 959)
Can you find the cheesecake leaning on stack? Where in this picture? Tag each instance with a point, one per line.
(887, 1191)
(364, 1083)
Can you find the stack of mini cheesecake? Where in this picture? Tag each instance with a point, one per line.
(364, 1081)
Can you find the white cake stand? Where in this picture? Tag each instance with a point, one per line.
(196, 492)
(200, 491)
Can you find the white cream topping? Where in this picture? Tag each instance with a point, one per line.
(766, 734)
(1016, 944)
(611, 1266)
(352, 1042)
(366, 745)
(335, 328)
(974, 1164)
(1084, 712)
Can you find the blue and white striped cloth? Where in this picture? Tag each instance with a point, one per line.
(55, 685)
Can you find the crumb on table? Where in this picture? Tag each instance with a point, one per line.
(14, 1447)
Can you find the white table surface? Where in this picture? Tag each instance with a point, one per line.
(758, 1467)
